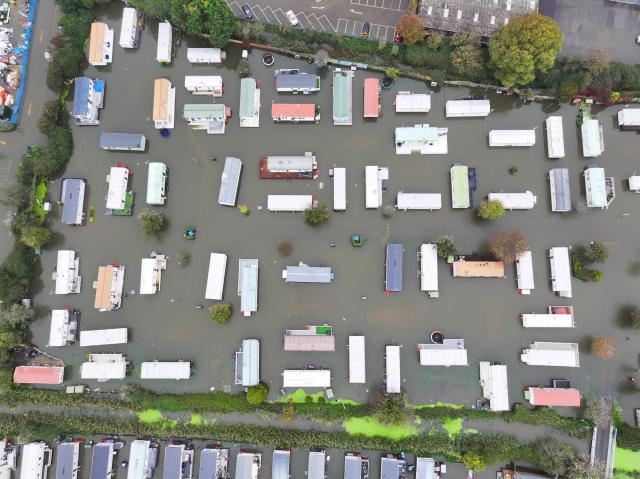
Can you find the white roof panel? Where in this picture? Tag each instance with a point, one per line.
(419, 201)
(117, 190)
(339, 189)
(215, 276)
(450, 353)
(100, 337)
(524, 271)
(560, 270)
(549, 320)
(408, 102)
(156, 182)
(165, 38)
(512, 137)
(357, 369)
(59, 331)
(67, 272)
(515, 201)
(151, 274)
(103, 367)
(467, 108)
(555, 137)
(428, 267)
(392, 365)
(166, 370)
(291, 203)
(205, 55)
(629, 117)
(542, 353)
(306, 378)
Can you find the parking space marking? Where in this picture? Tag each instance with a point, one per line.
(393, 5)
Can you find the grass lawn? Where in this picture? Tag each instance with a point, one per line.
(150, 416)
(441, 404)
(39, 193)
(452, 426)
(627, 460)
(370, 426)
(299, 396)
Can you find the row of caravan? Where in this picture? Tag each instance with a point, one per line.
(179, 462)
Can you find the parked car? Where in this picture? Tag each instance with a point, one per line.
(366, 28)
(246, 11)
(292, 18)
(396, 37)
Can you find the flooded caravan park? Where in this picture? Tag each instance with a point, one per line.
(485, 312)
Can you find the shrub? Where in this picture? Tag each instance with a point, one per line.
(389, 408)
(490, 210)
(289, 412)
(257, 394)
(243, 69)
(473, 461)
(151, 222)
(435, 40)
(35, 236)
(445, 246)
(507, 246)
(317, 214)
(54, 114)
(285, 248)
(16, 274)
(603, 347)
(220, 313)
(566, 91)
(634, 319)
(183, 258)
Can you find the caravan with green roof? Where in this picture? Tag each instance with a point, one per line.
(342, 97)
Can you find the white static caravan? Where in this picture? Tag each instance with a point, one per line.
(421, 139)
(64, 325)
(229, 181)
(249, 103)
(495, 388)
(248, 285)
(109, 288)
(8, 455)
(560, 271)
(100, 44)
(467, 108)
(339, 189)
(393, 380)
(357, 369)
(164, 104)
(542, 353)
(374, 178)
(67, 275)
(151, 273)
(247, 363)
(280, 464)
(426, 468)
(248, 465)
(165, 41)
(36, 459)
(515, 201)
(204, 85)
(215, 276)
(599, 189)
(524, 272)
(512, 137)
(117, 188)
(592, 138)
(166, 370)
(555, 137)
(289, 203)
(428, 270)
(206, 55)
(560, 190)
(143, 457)
(407, 102)
(306, 378)
(129, 28)
(629, 119)
(556, 317)
(156, 183)
(450, 352)
(103, 367)
(316, 465)
(418, 201)
(103, 337)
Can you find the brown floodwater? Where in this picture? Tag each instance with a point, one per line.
(485, 312)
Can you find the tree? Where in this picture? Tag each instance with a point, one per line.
(10, 338)
(153, 8)
(634, 319)
(17, 317)
(410, 28)
(467, 59)
(596, 252)
(6, 380)
(473, 461)
(507, 246)
(490, 210)
(213, 19)
(220, 313)
(566, 91)
(317, 214)
(389, 409)
(581, 468)
(321, 58)
(183, 258)
(243, 68)
(35, 236)
(257, 394)
(554, 456)
(289, 412)
(54, 114)
(596, 63)
(151, 222)
(603, 347)
(445, 246)
(285, 248)
(392, 73)
(435, 40)
(526, 45)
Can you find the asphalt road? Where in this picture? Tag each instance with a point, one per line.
(334, 16)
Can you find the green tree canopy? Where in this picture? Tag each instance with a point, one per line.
(220, 313)
(211, 18)
(489, 210)
(35, 236)
(151, 221)
(526, 45)
(317, 214)
(257, 394)
(154, 8)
